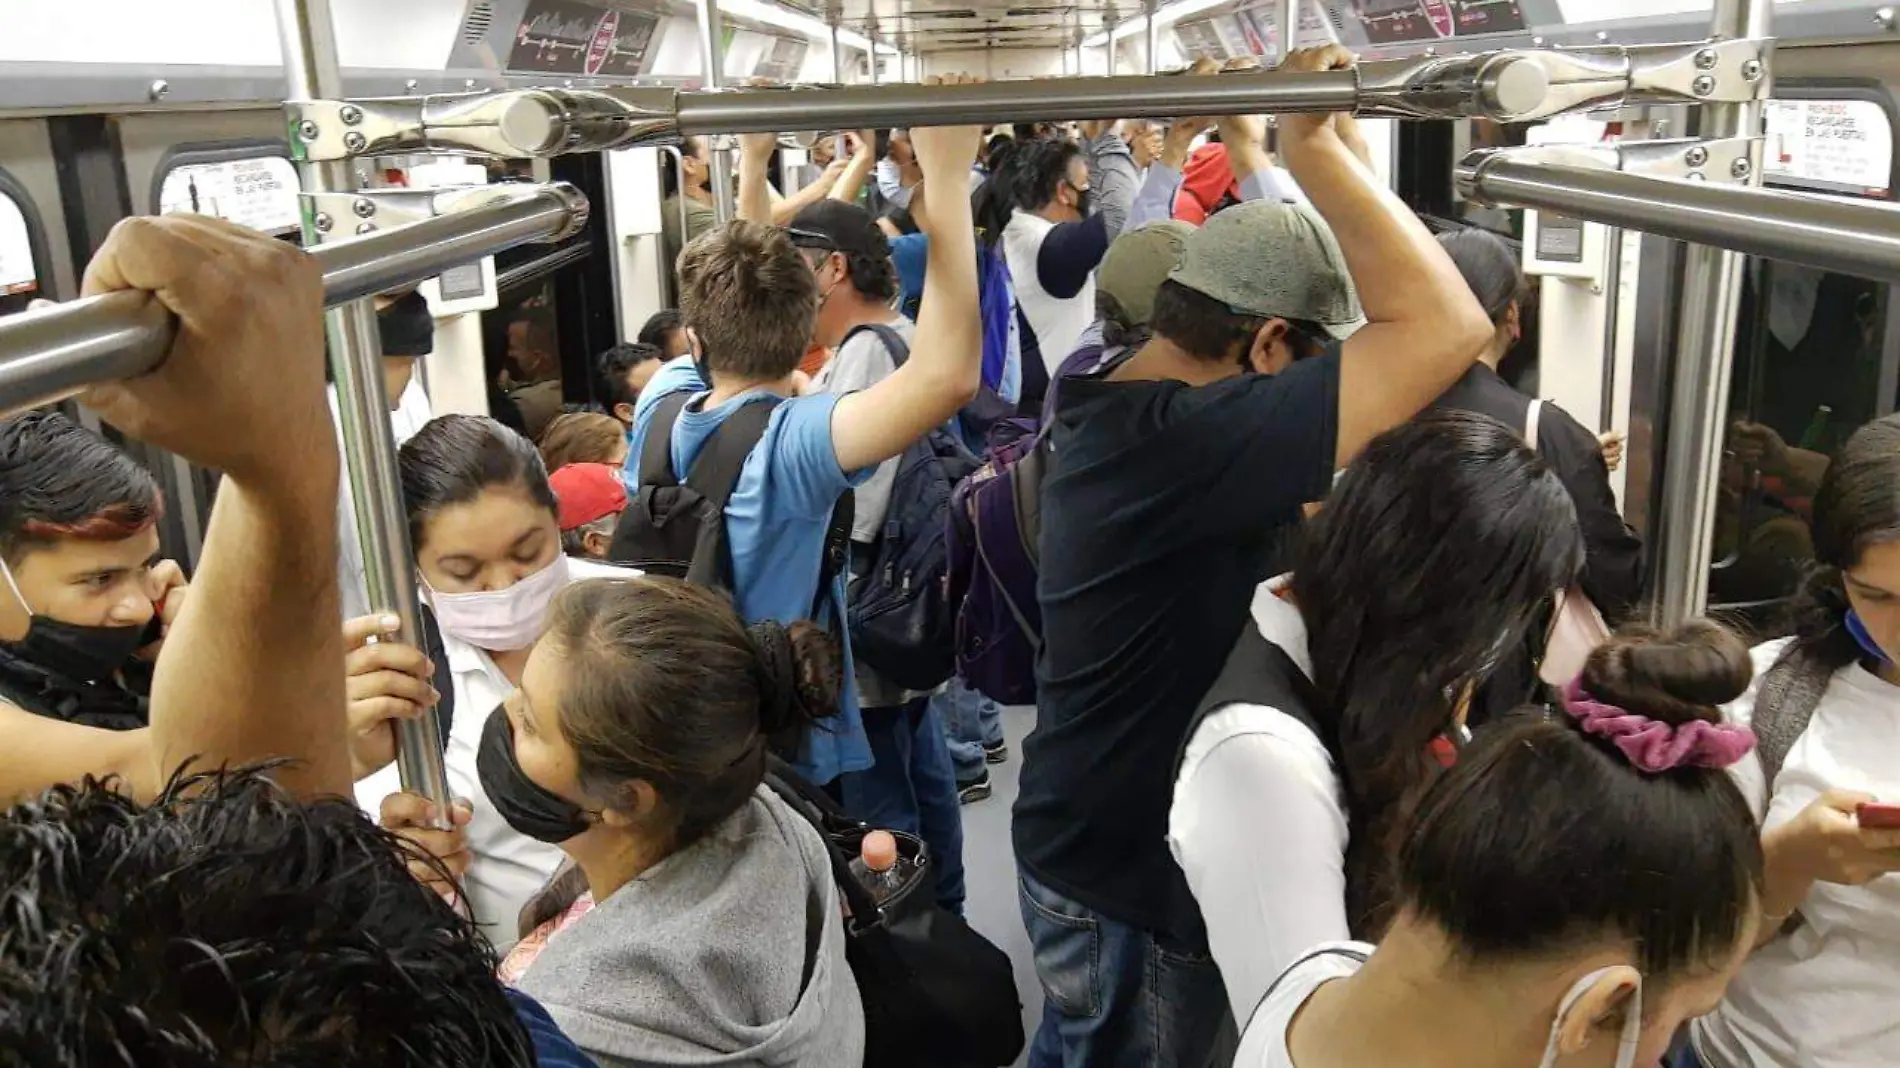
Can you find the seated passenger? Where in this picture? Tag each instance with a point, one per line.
(624, 371)
(591, 499)
(83, 609)
(638, 741)
(1575, 889)
(484, 523)
(1613, 573)
(1171, 480)
(1430, 558)
(406, 328)
(583, 438)
(1821, 988)
(753, 299)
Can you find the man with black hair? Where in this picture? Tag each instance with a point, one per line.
(912, 787)
(667, 331)
(624, 371)
(84, 604)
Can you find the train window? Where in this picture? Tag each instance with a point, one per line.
(523, 350)
(19, 273)
(256, 191)
(1811, 349)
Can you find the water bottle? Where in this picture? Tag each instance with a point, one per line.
(879, 868)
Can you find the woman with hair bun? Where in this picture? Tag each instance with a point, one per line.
(1821, 991)
(1570, 893)
(708, 931)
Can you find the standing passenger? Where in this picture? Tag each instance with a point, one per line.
(1171, 479)
(687, 211)
(1821, 989)
(753, 299)
(82, 609)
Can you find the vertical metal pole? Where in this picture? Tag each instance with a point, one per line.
(837, 56)
(311, 72)
(1154, 37)
(1705, 350)
(712, 64)
(871, 52)
(1286, 19)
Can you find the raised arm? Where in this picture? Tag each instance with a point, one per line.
(863, 159)
(755, 190)
(945, 361)
(252, 667)
(1423, 326)
(785, 209)
(1112, 177)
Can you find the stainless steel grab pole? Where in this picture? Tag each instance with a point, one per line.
(712, 58)
(1151, 33)
(1705, 356)
(308, 35)
(1852, 237)
(48, 355)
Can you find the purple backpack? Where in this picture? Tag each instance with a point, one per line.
(995, 529)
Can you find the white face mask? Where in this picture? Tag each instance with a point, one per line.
(501, 621)
(1632, 1022)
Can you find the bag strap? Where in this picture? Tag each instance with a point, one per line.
(1325, 951)
(816, 809)
(1015, 611)
(894, 342)
(715, 471)
(1533, 418)
(656, 451)
(1784, 706)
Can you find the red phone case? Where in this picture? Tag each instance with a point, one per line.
(1874, 814)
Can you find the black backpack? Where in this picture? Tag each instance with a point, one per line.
(677, 528)
(903, 625)
(936, 993)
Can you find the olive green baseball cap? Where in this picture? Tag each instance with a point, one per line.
(1275, 261)
(1138, 262)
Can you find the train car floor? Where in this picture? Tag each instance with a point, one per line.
(989, 864)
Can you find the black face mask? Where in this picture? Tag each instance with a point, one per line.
(1082, 202)
(82, 654)
(526, 805)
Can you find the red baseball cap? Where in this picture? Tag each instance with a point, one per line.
(587, 492)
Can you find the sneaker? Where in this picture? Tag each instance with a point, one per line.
(976, 790)
(995, 752)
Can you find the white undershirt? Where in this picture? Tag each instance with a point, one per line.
(507, 868)
(1258, 825)
(1828, 995)
(411, 412)
(1263, 1037)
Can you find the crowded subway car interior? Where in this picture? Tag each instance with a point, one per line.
(938, 533)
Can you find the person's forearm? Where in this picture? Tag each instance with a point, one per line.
(253, 667)
(1786, 880)
(951, 338)
(1154, 201)
(1354, 138)
(1112, 176)
(784, 211)
(1401, 273)
(755, 194)
(851, 184)
(1269, 184)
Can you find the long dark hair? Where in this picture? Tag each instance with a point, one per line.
(1430, 558)
(1543, 839)
(453, 458)
(1857, 506)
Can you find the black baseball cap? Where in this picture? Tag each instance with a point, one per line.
(835, 226)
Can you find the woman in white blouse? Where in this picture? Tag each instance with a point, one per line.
(482, 520)
(1823, 990)
(1429, 560)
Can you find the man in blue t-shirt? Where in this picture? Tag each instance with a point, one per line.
(750, 297)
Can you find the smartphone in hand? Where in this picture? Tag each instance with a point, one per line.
(1876, 815)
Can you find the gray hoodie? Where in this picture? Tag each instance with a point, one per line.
(729, 953)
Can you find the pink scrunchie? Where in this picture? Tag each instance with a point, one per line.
(1655, 746)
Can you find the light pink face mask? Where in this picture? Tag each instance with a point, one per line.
(1632, 1023)
(501, 621)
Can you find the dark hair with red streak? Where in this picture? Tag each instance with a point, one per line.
(59, 480)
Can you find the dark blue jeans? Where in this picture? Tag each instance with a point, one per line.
(1114, 995)
(912, 788)
(972, 722)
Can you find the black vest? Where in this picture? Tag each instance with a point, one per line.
(108, 705)
(1259, 672)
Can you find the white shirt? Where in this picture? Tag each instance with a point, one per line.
(1056, 321)
(1263, 1034)
(412, 411)
(506, 868)
(1828, 995)
(1258, 826)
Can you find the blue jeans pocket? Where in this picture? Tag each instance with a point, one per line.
(1067, 942)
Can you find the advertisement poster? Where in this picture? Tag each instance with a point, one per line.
(1399, 21)
(570, 37)
(783, 60)
(1836, 146)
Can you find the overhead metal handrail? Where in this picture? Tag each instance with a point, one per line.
(1850, 236)
(1506, 86)
(49, 354)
